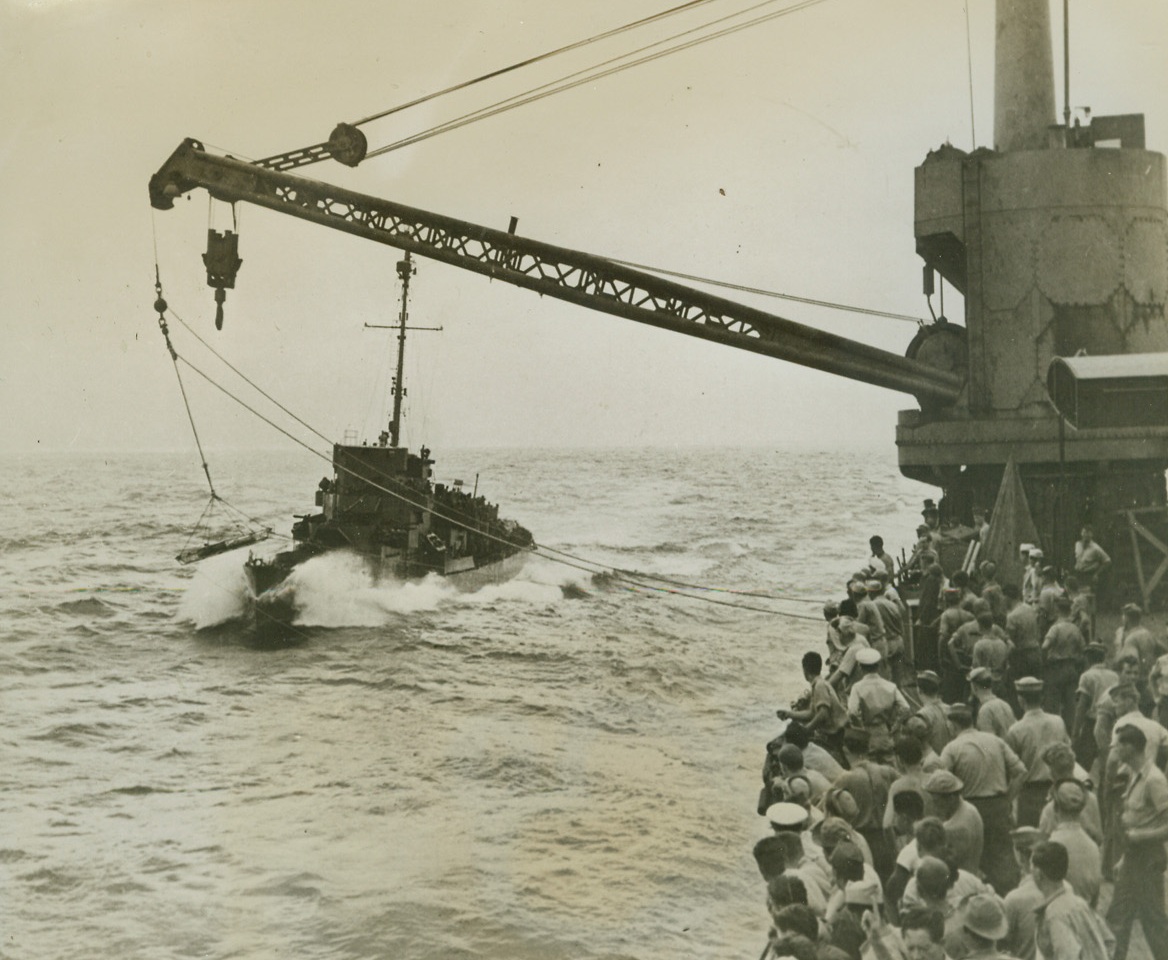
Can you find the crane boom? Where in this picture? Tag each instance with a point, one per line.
(582, 278)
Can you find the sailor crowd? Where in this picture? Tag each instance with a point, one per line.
(974, 808)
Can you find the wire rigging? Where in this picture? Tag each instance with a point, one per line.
(236, 516)
(596, 73)
(532, 60)
(160, 306)
(770, 293)
(239, 373)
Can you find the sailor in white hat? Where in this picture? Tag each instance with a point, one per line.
(876, 705)
(1032, 577)
(787, 816)
(792, 818)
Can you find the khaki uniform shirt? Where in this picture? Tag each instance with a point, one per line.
(1137, 642)
(1022, 626)
(823, 694)
(965, 833)
(1029, 736)
(1094, 682)
(1064, 641)
(868, 783)
(1020, 903)
(983, 763)
(868, 614)
(1084, 861)
(876, 704)
(1146, 802)
(951, 618)
(890, 618)
(1068, 929)
(934, 715)
(995, 716)
(962, 642)
(992, 651)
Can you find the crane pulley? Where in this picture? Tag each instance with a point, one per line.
(346, 144)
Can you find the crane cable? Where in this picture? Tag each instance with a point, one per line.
(587, 75)
(742, 288)
(233, 512)
(530, 60)
(251, 383)
(629, 580)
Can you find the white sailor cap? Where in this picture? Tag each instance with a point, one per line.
(786, 815)
(868, 657)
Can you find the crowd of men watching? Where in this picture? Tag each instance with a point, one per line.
(975, 810)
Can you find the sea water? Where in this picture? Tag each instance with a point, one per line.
(557, 766)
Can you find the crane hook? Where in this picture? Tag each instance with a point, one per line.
(222, 262)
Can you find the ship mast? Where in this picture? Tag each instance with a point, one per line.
(405, 270)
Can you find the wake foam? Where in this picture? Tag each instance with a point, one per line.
(339, 590)
(217, 592)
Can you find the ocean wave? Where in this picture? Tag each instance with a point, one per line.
(76, 734)
(89, 607)
(300, 885)
(47, 882)
(522, 774)
(139, 790)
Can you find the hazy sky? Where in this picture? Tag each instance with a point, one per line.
(779, 157)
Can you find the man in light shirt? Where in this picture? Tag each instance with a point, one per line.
(1139, 888)
(1068, 929)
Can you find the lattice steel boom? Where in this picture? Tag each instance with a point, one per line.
(581, 278)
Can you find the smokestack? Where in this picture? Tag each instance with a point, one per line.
(1023, 76)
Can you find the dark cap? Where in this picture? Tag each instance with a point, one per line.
(959, 711)
(846, 854)
(834, 831)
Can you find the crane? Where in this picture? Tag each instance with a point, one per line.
(582, 278)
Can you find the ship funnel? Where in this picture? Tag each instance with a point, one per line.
(1024, 106)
